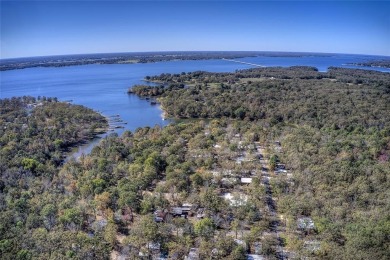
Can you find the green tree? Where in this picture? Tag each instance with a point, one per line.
(71, 218)
(30, 164)
(238, 253)
(272, 162)
(211, 200)
(204, 228)
(24, 254)
(144, 231)
(110, 233)
(48, 213)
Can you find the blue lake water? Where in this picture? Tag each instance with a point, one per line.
(103, 87)
(321, 63)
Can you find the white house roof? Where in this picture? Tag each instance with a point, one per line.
(246, 180)
(254, 257)
(237, 199)
(305, 223)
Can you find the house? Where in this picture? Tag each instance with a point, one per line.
(193, 254)
(220, 221)
(214, 252)
(289, 254)
(238, 199)
(228, 181)
(240, 242)
(180, 211)
(187, 205)
(160, 215)
(226, 172)
(280, 171)
(201, 213)
(254, 257)
(151, 251)
(280, 168)
(305, 223)
(246, 180)
(154, 246)
(244, 158)
(240, 159)
(312, 245)
(99, 224)
(257, 247)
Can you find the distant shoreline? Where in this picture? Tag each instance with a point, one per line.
(385, 64)
(133, 58)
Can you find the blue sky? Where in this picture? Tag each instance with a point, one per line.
(39, 28)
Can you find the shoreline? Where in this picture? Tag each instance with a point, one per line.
(131, 58)
(86, 146)
(163, 112)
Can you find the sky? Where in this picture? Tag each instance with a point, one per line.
(40, 28)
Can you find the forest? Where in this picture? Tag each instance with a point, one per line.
(36, 135)
(283, 163)
(340, 98)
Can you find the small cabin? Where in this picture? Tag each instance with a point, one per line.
(180, 211)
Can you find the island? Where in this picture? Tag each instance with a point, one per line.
(279, 163)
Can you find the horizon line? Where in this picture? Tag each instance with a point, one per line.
(204, 51)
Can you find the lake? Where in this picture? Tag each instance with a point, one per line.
(104, 87)
(321, 63)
